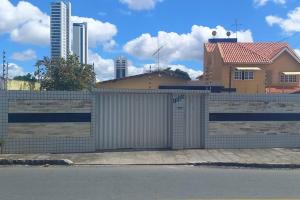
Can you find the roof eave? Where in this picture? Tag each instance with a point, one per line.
(247, 63)
(287, 49)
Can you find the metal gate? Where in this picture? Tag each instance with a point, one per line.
(132, 120)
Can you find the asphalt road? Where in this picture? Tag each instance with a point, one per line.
(164, 182)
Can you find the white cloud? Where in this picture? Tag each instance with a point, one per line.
(27, 24)
(104, 68)
(297, 52)
(24, 22)
(289, 24)
(110, 45)
(264, 2)
(178, 47)
(15, 70)
(28, 54)
(99, 32)
(140, 4)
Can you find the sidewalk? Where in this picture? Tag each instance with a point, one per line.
(220, 157)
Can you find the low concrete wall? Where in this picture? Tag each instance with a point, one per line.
(43, 132)
(253, 121)
(62, 122)
(47, 108)
(252, 106)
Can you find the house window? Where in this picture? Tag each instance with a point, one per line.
(238, 75)
(248, 75)
(288, 78)
(243, 75)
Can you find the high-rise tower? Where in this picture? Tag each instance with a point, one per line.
(60, 29)
(121, 67)
(80, 42)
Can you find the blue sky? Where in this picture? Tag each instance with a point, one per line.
(130, 28)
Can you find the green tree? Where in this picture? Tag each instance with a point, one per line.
(28, 77)
(61, 74)
(178, 73)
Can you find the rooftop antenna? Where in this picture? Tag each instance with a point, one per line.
(236, 26)
(157, 53)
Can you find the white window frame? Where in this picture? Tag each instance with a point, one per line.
(288, 78)
(243, 75)
(248, 75)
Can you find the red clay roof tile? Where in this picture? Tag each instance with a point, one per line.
(249, 53)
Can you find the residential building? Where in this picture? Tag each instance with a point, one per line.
(80, 41)
(60, 29)
(20, 85)
(151, 80)
(121, 67)
(260, 67)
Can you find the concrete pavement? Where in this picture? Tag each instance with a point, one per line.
(290, 157)
(145, 182)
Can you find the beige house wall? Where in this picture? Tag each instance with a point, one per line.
(220, 72)
(144, 82)
(214, 65)
(284, 63)
(22, 85)
(257, 85)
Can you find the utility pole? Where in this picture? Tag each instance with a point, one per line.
(6, 77)
(4, 71)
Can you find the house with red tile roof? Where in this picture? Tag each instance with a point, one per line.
(259, 67)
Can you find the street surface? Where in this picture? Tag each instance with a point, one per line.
(146, 182)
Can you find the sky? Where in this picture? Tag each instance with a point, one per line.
(132, 28)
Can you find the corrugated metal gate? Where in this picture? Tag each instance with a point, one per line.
(132, 120)
(195, 121)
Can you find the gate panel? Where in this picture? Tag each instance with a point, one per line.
(132, 120)
(194, 121)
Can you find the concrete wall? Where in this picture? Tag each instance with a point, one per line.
(41, 122)
(48, 107)
(145, 119)
(45, 137)
(265, 121)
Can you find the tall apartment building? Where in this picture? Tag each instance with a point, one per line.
(80, 42)
(121, 67)
(60, 29)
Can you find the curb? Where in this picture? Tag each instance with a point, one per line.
(209, 164)
(66, 162)
(248, 165)
(63, 162)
